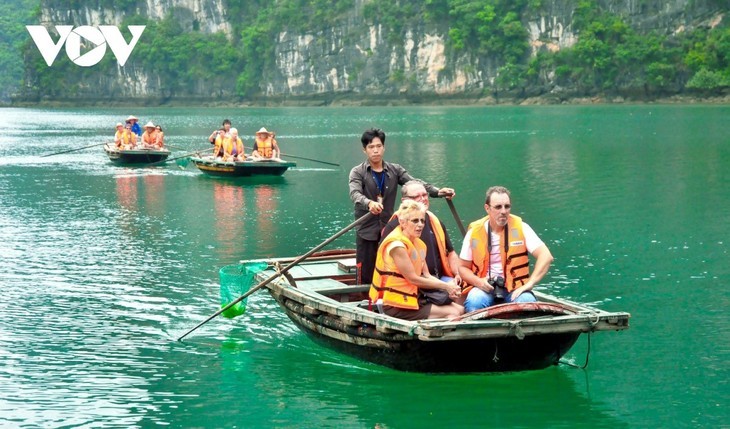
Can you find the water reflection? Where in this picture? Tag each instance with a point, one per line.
(230, 222)
(267, 200)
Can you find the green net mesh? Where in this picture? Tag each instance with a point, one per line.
(182, 162)
(235, 281)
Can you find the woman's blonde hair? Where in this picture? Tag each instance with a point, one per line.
(408, 207)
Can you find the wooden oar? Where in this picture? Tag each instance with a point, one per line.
(74, 150)
(279, 273)
(181, 156)
(456, 216)
(309, 159)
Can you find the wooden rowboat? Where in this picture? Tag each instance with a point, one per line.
(320, 296)
(216, 167)
(135, 156)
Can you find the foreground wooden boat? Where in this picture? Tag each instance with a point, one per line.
(320, 296)
(215, 167)
(135, 156)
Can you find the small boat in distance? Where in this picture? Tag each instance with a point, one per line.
(135, 156)
(322, 298)
(216, 167)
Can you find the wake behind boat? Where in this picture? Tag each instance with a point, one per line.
(322, 298)
(135, 156)
(216, 167)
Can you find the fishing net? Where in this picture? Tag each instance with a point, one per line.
(182, 162)
(235, 281)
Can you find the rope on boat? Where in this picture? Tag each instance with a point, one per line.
(588, 354)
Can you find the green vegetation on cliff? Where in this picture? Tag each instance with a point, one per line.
(14, 14)
(609, 57)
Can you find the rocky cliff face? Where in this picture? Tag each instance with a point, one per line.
(355, 58)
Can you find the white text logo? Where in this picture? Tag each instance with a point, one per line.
(101, 37)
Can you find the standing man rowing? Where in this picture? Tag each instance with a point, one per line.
(373, 188)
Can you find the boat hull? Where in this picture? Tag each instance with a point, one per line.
(322, 298)
(457, 356)
(127, 157)
(241, 169)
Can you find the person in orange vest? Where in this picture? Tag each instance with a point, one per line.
(124, 138)
(494, 256)
(265, 146)
(160, 143)
(149, 137)
(443, 262)
(213, 139)
(233, 148)
(401, 272)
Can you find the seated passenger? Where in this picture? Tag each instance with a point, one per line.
(149, 137)
(401, 270)
(118, 135)
(160, 138)
(265, 146)
(443, 261)
(233, 148)
(494, 256)
(225, 129)
(124, 138)
(221, 141)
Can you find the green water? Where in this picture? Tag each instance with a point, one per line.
(102, 267)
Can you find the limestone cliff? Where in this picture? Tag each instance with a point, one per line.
(358, 57)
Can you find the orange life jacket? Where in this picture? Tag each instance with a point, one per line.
(440, 242)
(513, 250)
(149, 138)
(125, 137)
(220, 144)
(265, 148)
(391, 286)
(233, 149)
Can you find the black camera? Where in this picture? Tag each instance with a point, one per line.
(498, 284)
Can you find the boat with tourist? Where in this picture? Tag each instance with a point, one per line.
(264, 167)
(322, 298)
(135, 156)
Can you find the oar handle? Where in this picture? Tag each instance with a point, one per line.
(178, 157)
(279, 273)
(73, 150)
(310, 159)
(456, 216)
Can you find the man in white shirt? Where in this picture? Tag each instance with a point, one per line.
(494, 256)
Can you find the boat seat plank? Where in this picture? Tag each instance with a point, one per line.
(330, 286)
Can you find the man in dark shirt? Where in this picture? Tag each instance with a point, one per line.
(443, 262)
(373, 188)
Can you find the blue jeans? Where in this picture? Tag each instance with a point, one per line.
(478, 299)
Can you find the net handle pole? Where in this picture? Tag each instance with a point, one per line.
(279, 273)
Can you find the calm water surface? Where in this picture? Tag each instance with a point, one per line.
(102, 267)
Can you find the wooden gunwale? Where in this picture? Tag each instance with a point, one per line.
(442, 330)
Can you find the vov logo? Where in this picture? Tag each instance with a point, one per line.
(101, 37)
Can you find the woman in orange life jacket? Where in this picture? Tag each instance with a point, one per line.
(265, 146)
(401, 270)
(233, 148)
(160, 142)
